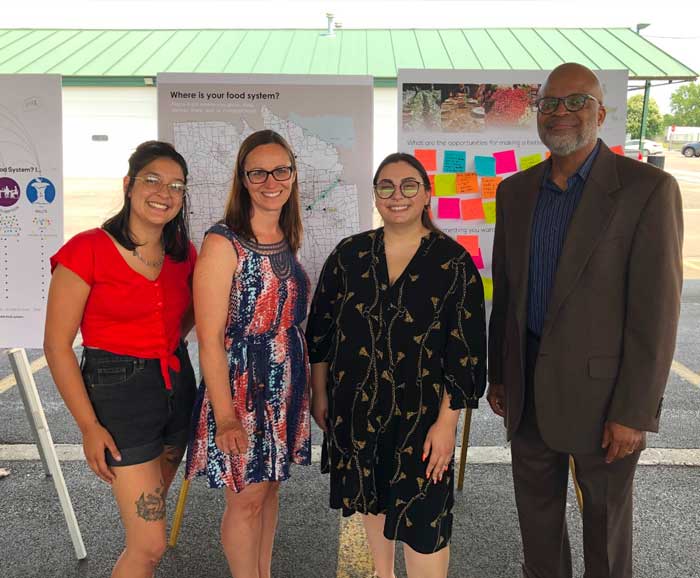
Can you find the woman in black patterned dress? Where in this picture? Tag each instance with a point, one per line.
(397, 344)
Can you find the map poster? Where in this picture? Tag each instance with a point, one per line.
(473, 128)
(327, 120)
(31, 202)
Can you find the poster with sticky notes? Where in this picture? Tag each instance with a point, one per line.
(427, 157)
(489, 186)
(445, 184)
(473, 130)
(448, 208)
(454, 162)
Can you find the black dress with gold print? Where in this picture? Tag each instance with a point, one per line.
(393, 352)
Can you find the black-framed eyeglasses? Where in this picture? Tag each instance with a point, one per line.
(385, 189)
(572, 102)
(280, 174)
(154, 183)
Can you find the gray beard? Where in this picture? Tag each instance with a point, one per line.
(565, 145)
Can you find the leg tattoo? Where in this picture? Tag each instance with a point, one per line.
(151, 507)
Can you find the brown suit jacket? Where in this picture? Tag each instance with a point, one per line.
(610, 329)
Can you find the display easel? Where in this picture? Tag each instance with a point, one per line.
(44, 443)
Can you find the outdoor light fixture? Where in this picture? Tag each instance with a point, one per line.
(642, 26)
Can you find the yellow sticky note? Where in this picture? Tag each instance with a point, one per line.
(445, 184)
(488, 288)
(490, 212)
(530, 161)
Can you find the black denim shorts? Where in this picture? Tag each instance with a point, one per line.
(132, 403)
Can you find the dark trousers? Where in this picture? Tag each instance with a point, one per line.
(540, 477)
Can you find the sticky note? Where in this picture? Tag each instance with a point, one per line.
(470, 243)
(467, 183)
(530, 161)
(489, 186)
(471, 209)
(445, 184)
(490, 212)
(454, 162)
(478, 260)
(448, 208)
(505, 162)
(488, 288)
(485, 166)
(618, 150)
(427, 157)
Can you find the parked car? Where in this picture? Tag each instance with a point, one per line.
(649, 147)
(691, 149)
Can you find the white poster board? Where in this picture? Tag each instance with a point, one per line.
(31, 202)
(473, 128)
(327, 120)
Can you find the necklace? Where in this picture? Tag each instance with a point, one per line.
(154, 264)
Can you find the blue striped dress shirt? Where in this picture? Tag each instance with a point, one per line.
(550, 222)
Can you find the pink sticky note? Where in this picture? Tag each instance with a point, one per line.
(472, 209)
(448, 208)
(470, 243)
(505, 162)
(427, 157)
(478, 260)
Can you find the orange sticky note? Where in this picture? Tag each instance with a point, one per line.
(618, 150)
(427, 157)
(470, 243)
(431, 178)
(489, 186)
(467, 183)
(471, 209)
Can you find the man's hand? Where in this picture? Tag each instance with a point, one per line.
(620, 441)
(497, 398)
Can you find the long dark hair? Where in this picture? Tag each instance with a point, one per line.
(425, 219)
(238, 205)
(176, 238)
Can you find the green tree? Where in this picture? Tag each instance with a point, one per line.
(634, 117)
(685, 105)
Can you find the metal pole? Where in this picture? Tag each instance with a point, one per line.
(465, 446)
(645, 113)
(47, 451)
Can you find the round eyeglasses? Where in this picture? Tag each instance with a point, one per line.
(259, 176)
(572, 103)
(385, 189)
(154, 183)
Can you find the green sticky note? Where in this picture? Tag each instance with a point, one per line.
(488, 288)
(445, 184)
(530, 161)
(490, 212)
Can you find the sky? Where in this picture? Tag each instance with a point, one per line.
(672, 25)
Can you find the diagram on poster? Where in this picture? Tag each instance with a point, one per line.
(470, 130)
(326, 120)
(31, 206)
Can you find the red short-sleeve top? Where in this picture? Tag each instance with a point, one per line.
(126, 313)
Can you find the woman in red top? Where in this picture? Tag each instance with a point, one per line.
(127, 286)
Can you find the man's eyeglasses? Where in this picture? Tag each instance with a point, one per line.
(259, 176)
(385, 189)
(572, 103)
(154, 183)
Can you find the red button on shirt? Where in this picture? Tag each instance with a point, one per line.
(119, 316)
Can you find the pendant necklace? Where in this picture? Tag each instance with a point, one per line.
(154, 264)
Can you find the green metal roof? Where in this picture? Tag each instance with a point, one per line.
(125, 57)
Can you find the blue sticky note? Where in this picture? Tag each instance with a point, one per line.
(485, 166)
(454, 162)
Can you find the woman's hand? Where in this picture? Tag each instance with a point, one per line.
(97, 440)
(231, 438)
(319, 409)
(439, 448)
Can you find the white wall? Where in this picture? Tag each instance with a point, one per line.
(128, 116)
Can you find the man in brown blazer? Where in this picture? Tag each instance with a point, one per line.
(587, 277)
